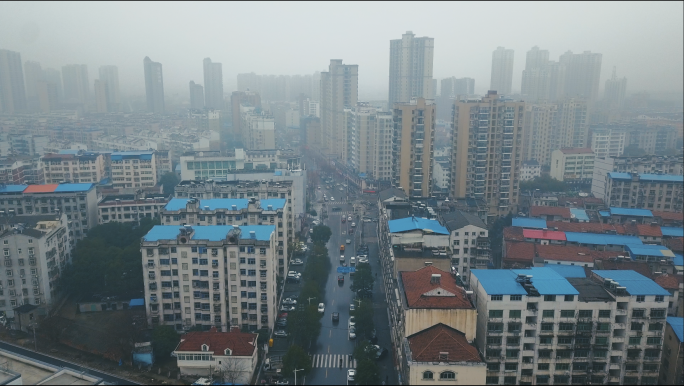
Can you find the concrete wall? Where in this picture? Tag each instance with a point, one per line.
(466, 373)
(463, 320)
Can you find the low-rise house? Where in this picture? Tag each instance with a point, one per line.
(551, 213)
(229, 356)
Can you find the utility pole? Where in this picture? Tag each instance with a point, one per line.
(309, 299)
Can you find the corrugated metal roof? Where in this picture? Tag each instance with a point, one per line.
(176, 204)
(502, 281)
(66, 188)
(120, 155)
(224, 203)
(649, 250)
(579, 214)
(548, 282)
(529, 222)
(661, 177)
(601, 239)
(677, 324)
(499, 281)
(672, 231)
(544, 235)
(415, 223)
(604, 213)
(678, 260)
(210, 233)
(634, 282)
(13, 188)
(631, 212)
(620, 176)
(276, 203)
(567, 270)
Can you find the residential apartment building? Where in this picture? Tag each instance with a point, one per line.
(583, 73)
(530, 170)
(540, 121)
(240, 161)
(213, 85)
(237, 99)
(109, 75)
(339, 91)
(258, 128)
(129, 208)
(21, 171)
(572, 165)
(572, 126)
(134, 170)
(33, 74)
(12, 91)
(450, 89)
(468, 241)
(154, 86)
(673, 353)
(36, 249)
(196, 96)
(218, 276)
(410, 71)
(486, 152)
(412, 147)
(648, 164)
(502, 71)
(536, 326)
(371, 147)
(77, 201)
(607, 142)
(662, 192)
(261, 189)
(76, 86)
(441, 174)
(615, 91)
(235, 211)
(28, 144)
(77, 168)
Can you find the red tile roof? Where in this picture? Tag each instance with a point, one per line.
(647, 230)
(522, 252)
(418, 283)
(667, 215)
(513, 234)
(536, 211)
(576, 150)
(669, 281)
(427, 345)
(41, 188)
(590, 227)
(565, 253)
(542, 234)
(676, 244)
(240, 343)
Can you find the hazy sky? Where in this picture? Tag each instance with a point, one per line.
(644, 40)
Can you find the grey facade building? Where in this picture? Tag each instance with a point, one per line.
(502, 70)
(109, 75)
(54, 77)
(196, 96)
(213, 85)
(76, 85)
(12, 91)
(583, 72)
(615, 91)
(339, 90)
(33, 74)
(154, 86)
(410, 69)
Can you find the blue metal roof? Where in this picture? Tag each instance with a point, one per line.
(620, 176)
(136, 302)
(604, 213)
(119, 155)
(12, 188)
(502, 281)
(278, 173)
(209, 232)
(631, 212)
(224, 203)
(579, 214)
(649, 250)
(567, 270)
(499, 281)
(677, 324)
(414, 223)
(276, 203)
(634, 282)
(661, 177)
(678, 260)
(672, 231)
(601, 239)
(529, 222)
(64, 188)
(176, 204)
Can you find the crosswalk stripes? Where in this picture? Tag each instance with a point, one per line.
(332, 361)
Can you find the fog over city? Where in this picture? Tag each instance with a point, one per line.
(643, 40)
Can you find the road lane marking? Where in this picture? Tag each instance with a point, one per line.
(329, 346)
(329, 336)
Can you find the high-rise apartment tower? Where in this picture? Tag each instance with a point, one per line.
(410, 68)
(154, 86)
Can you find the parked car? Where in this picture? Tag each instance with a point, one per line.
(363, 260)
(281, 323)
(321, 308)
(352, 333)
(287, 308)
(335, 317)
(297, 262)
(352, 307)
(352, 321)
(280, 334)
(289, 302)
(351, 375)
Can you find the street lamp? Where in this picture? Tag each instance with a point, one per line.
(295, 373)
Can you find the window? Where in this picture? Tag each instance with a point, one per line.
(569, 298)
(562, 366)
(514, 314)
(549, 298)
(548, 313)
(547, 327)
(660, 298)
(511, 366)
(515, 298)
(653, 340)
(657, 312)
(496, 313)
(655, 327)
(565, 326)
(567, 313)
(492, 380)
(492, 366)
(546, 339)
(604, 314)
(428, 375)
(543, 366)
(641, 298)
(497, 298)
(636, 326)
(494, 340)
(638, 313)
(495, 327)
(447, 375)
(585, 313)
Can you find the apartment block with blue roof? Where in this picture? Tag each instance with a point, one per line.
(552, 326)
(659, 192)
(672, 367)
(233, 211)
(210, 276)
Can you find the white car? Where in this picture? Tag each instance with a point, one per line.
(348, 241)
(352, 333)
(332, 198)
(352, 322)
(362, 261)
(321, 308)
(353, 224)
(341, 189)
(349, 218)
(351, 374)
(352, 307)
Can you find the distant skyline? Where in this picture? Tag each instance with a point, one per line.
(301, 38)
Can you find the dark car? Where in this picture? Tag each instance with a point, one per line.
(335, 316)
(340, 279)
(382, 354)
